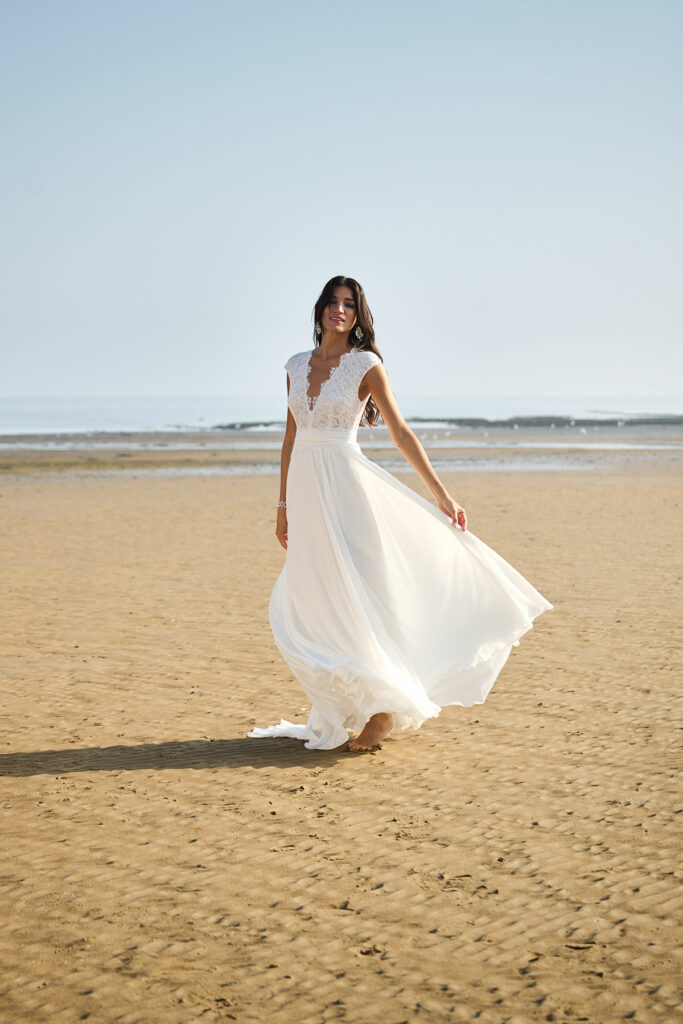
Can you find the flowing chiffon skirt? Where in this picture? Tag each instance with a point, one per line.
(382, 604)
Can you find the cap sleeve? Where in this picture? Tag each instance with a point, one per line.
(288, 365)
(366, 363)
(370, 359)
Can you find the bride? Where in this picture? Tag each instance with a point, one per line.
(387, 608)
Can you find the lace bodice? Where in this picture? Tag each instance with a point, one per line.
(337, 406)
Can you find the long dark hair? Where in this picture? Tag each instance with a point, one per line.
(363, 320)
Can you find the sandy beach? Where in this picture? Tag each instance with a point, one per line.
(513, 862)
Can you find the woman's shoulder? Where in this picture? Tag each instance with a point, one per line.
(296, 358)
(368, 358)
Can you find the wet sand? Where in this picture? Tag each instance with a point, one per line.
(232, 450)
(517, 861)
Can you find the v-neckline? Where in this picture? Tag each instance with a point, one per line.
(307, 382)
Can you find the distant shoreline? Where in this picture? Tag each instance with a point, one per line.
(465, 423)
(254, 446)
(509, 422)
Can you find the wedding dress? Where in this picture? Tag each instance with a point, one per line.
(382, 604)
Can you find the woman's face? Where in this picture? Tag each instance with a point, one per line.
(339, 316)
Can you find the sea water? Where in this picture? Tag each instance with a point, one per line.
(81, 415)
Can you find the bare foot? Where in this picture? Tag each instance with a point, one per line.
(374, 731)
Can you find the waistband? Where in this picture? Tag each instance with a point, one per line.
(332, 435)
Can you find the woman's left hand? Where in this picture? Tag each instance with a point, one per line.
(450, 508)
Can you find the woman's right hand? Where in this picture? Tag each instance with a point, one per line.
(281, 527)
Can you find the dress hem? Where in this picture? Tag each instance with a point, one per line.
(403, 720)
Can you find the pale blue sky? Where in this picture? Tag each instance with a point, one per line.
(179, 179)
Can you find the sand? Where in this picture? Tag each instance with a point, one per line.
(517, 861)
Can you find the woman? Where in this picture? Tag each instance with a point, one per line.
(387, 608)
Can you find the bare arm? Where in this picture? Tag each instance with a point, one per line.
(408, 444)
(287, 445)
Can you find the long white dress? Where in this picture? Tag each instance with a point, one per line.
(382, 604)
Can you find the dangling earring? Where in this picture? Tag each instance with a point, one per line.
(318, 329)
(358, 332)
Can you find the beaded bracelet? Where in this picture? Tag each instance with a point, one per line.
(282, 504)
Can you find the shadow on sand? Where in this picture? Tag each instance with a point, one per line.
(175, 754)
